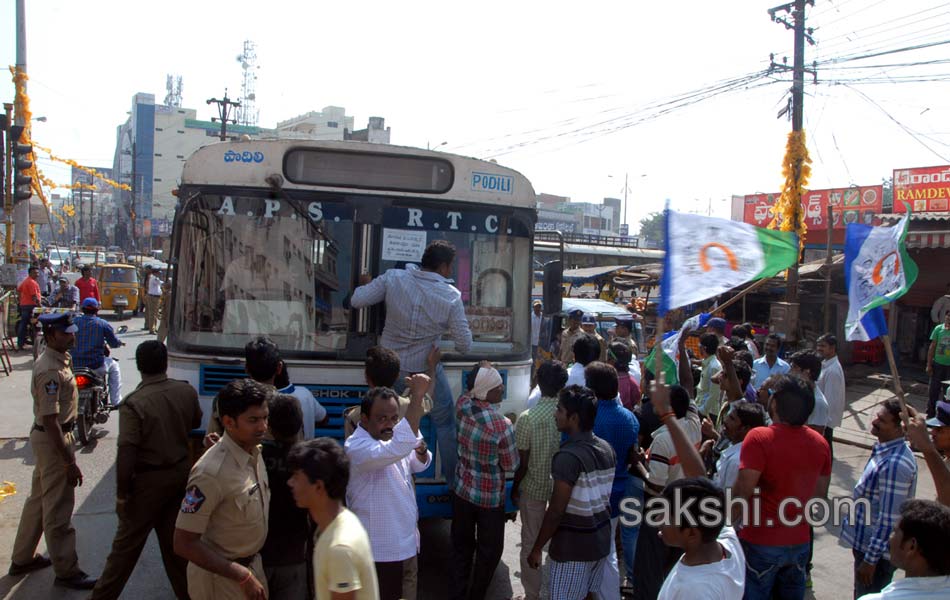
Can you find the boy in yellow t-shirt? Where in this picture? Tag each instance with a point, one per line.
(342, 557)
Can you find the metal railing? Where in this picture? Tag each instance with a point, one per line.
(588, 239)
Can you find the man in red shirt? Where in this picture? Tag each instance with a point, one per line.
(88, 287)
(29, 290)
(787, 460)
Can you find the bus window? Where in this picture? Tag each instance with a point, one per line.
(253, 266)
(495, 284)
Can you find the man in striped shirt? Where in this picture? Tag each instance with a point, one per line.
(421, 306)
(889, 479)
(577, 521)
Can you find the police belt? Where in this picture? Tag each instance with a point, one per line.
(66, 427)
(144, 468)
(245, 561)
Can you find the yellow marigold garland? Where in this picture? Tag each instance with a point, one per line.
(788, 205)
(84, 169)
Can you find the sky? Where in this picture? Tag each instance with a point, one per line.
(576, 97)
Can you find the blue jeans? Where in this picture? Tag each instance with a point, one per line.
(26, 313)
(629, 535)
(775, 571)
(443, 417)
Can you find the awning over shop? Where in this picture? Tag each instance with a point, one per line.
(591, 274)
(922, 232)
(928, 239)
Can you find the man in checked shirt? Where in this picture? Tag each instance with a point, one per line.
(889, 478)
(486, 452)
(422, 305)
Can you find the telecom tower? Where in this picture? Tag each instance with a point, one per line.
(247, 113)
(173, 90)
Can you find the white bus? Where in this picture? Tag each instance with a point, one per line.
(270, 238)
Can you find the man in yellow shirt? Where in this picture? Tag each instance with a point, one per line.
(342, 558)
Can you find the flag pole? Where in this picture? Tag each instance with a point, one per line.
(886, 339)
(742, 294)
(658, 344)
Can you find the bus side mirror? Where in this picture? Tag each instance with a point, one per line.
(553, 277)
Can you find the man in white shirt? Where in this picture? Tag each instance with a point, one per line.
(153, 297)
(586, 350)
(384, 453)
(918, 545)
(831, 384)
(713, 564)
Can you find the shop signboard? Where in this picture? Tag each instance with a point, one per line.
(855, 204)
(924, 189)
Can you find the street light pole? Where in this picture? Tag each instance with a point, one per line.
(21, 209)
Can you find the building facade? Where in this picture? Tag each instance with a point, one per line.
(558, 213)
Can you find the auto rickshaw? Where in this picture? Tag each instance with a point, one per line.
(118, 288)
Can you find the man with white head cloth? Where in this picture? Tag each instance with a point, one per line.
(486, 451)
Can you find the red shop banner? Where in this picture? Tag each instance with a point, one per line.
(850, 205)
(925, 189)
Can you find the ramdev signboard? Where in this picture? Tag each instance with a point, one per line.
(925, 189)
(851, 205)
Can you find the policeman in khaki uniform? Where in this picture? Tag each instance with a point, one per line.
(623, 333)
(151, 470)
(222, 522)
(589, 326)
(570, 335)
(49, 508)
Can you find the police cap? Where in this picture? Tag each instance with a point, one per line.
(62, 321)
(624, 321)
(588, 320)
(576, 314)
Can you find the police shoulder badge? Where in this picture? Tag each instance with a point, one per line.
(193, 500)
(51, 388)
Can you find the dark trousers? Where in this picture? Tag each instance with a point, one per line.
(652, 563)
(155, 502)
(883, 573)
(480, 533)
(389, 576)
(829, 437)
(26, 313)
(940, 373)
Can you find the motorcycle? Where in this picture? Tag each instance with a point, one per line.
(94, 399)
(94, 405)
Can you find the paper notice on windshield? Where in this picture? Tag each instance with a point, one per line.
(401, 245)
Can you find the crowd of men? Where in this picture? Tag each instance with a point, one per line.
(269, 511)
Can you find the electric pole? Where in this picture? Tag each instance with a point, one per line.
(797, 11)
(224, 111)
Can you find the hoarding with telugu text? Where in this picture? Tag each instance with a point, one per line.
(924, 189)
(857, 204)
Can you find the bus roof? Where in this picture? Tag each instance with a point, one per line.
(248, 163)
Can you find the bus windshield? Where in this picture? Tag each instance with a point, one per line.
(245, 269)
(249, 265)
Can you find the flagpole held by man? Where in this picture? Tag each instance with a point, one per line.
(877, 271)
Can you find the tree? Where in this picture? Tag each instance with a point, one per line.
(888, 199)
(652, 228)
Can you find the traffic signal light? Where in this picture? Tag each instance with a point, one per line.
(22, 180)
(3, 150)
